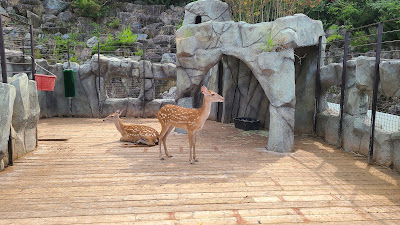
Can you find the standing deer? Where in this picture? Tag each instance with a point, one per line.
(192, 120)
(138, 134)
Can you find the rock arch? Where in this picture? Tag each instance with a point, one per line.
(201, 46)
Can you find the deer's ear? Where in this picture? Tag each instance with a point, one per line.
(120, 112)
(203, 90)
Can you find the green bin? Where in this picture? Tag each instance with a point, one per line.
(69, 83)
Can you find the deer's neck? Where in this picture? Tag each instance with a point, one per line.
(118, 123)
(205, 109)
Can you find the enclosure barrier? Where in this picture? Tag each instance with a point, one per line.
(349, 49)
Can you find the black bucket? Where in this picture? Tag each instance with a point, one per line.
(245, 123)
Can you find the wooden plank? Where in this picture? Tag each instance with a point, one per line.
(92, 178)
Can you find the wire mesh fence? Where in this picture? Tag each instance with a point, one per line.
(165, 89)
(381, 110)
(388, 113)
(17, 46)
(123, 87)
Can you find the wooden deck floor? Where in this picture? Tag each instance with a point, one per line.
(92, 178)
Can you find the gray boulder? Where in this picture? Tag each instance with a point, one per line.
(111, 105)
(7, 97)
(34, 6)
(390, 79)
(57, 5)
(33, 117)
(91, 42)
(67, 16)
(151, 109)
(21, 114)
(34, 19)
(135, 108)
(2, 10)
(168, 58)
(365, 70)
(49, 18)
(207, 10)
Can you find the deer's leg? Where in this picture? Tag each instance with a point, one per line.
(194, 146)
(164, 129)
(190, 137)
(165, 140)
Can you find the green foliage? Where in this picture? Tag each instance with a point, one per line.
(124, 38)
(358, 13)
(180, 25)
(97, 29)
(269, 45)
(37, 54)
(90, 8)
(114, 24)
(139, 52)
(359, 41)
(388, 9)
(61, 45)
(335, 36)
(188, 33)
(74, 59)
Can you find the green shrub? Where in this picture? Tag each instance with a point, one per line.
(269, 45)
(359, 41)
(114, 24)
(90, 8)
(125, 38)
(335, 36)
(97, 29)
(139, 52)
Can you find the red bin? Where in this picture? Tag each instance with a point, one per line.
(45, 82)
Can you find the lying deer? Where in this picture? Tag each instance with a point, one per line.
(138, 134)
(192, 120)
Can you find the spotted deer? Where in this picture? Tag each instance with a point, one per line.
(138, 134)
(192, 120)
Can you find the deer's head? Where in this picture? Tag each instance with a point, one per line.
(211, 96)
(113, 116)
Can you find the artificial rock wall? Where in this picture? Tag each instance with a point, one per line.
(19, 114)
(92, 102)
(201, 46)
(356, 122)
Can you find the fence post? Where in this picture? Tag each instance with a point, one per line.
(98, 74)
(144, 81)
(2, 53)
(317, 85)
(23, 54)
(32, 53)
(375, 92)
(343, 86)
(69, 62)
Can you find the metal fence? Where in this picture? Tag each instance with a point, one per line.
(383, 112)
